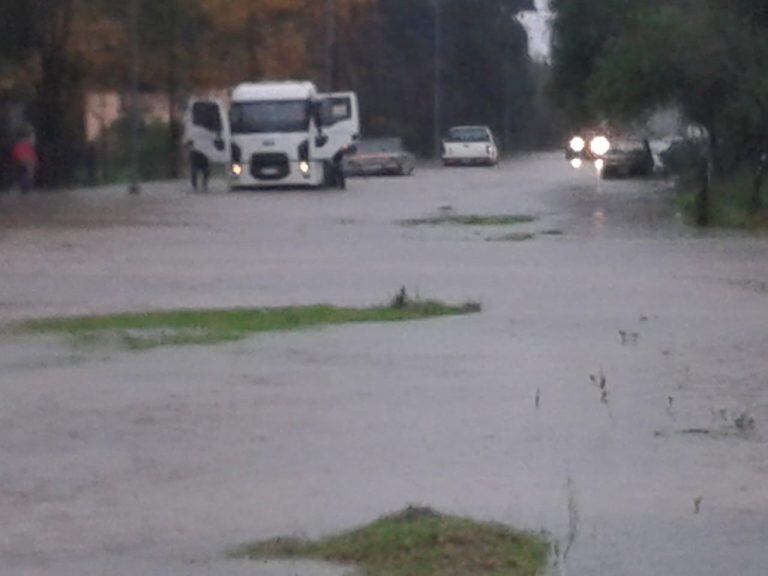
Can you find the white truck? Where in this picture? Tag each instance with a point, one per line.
(275, 134)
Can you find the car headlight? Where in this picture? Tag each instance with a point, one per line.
(304, 167)
(600, 145)
(577, 144)
(237, 169)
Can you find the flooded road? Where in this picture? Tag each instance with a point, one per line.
(123, 463)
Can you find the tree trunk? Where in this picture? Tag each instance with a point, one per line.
(702, 196)
(54, 91)
(174, 132)
(756, 201)
(50, 119)
(251, 39)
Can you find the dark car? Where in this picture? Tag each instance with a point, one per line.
(628, 157)
(380, 157)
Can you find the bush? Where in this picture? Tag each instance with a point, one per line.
(111, 161)
(730, 199)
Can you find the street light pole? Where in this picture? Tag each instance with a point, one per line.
(133, 30)
(437, 106)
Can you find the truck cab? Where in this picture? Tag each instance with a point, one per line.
(275, 134)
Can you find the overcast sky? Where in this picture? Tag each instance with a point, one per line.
(537, 24)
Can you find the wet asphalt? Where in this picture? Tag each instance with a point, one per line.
(122, 463)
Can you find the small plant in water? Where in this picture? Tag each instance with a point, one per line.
(449, 217)
(514, 237)
(745, 423)
(629, 338)
(401, 299)
(599, 380)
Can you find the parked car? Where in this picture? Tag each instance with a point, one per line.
(628, 157)
(470, 145)
(380, 157)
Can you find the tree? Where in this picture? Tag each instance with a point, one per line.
(51, 27)
(48, 48)
(709, 58)
(252, 40)
(582, 32)
(484, 68)
(168, 40)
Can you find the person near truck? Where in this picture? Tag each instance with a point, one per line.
(199, 167)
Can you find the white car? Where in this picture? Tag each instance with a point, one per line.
(470, 145)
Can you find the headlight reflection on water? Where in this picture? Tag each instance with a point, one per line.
(577, 163)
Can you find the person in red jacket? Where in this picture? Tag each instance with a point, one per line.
(24, 158)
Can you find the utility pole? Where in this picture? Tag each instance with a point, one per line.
(133, 27)
(507, 97)
(330, 44)
(437, 106)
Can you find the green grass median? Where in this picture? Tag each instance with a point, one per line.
(418, 542)
(471, 220)
(144, 330)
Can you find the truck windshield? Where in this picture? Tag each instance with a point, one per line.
(262, 117)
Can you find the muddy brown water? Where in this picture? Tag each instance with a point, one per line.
(122, 463)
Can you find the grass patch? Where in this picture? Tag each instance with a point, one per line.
(471, 220)
(729, 202)
(514, 237)
(172, 328)
(418, 542)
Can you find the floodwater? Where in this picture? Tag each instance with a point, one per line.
(156, 462)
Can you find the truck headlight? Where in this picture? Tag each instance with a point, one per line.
(237, 169)
(577, 144)
(600, 145)
(304, 167)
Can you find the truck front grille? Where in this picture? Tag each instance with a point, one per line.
(271, 166)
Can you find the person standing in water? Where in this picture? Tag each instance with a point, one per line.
(200, 169)
(24, 159)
